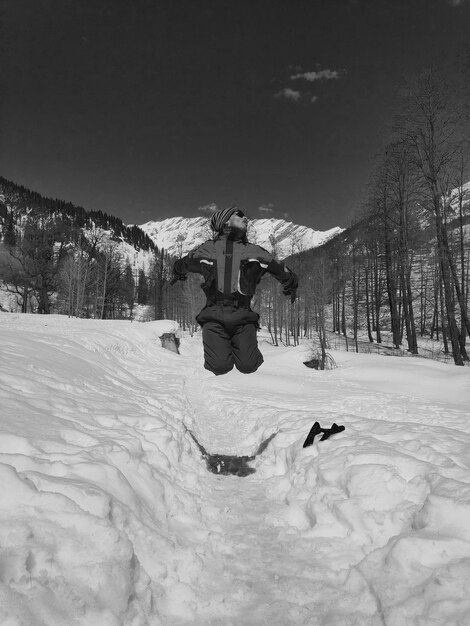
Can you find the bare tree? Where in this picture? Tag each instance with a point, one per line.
(14, 279)
(428, 125)
(321, 288)
(107, 279)
(74, 280)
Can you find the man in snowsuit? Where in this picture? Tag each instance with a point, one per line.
(231, 268)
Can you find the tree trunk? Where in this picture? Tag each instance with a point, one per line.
(391, 288)
(446, 279)
(368, 307)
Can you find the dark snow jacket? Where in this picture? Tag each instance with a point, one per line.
(232, 268)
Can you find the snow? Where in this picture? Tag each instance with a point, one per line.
(108, 515)
(136, 257)
(180, 235)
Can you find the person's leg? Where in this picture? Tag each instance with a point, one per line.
(245, 349)
(218, 356)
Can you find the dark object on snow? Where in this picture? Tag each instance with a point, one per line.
(227, 464)
(321, 362)
(313, 364)
(170, 342)
(317, 429)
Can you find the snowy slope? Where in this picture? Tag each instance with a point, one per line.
(137, 258)
(179, 235)
(455, 193)
(109, 517)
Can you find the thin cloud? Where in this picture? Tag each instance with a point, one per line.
(313, 76)
(288, 94)
(208, 209)
(266, 208)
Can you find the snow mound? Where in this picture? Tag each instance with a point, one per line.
(109, 515)
(89, 459)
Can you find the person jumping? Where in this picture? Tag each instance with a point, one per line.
(231, 267)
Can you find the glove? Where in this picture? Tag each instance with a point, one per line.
(317, 429)
(292, 293)
(290, 287)
(177, 277)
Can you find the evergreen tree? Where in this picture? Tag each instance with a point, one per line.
(10, 232)
(33, 205)
(128, 288)
(142, 288)
(33, 265)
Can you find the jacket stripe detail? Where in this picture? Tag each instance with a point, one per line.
(228, 267)
(236, 260)
(258, 261)
(239, 288)
(206, 262)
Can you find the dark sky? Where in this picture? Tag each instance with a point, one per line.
(148, 109)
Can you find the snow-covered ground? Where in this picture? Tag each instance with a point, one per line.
(108, 515)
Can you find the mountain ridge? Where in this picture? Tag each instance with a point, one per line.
(179, 235)
(175, 235)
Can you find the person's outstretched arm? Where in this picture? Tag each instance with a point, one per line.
(279, 270)
(192, 262)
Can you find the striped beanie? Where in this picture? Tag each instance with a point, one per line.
(220, 218)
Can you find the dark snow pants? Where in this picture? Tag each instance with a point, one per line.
(229, 338)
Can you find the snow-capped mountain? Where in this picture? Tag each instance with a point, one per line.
(179, 235)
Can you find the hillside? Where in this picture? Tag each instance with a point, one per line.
(176, 235)
(17, 203)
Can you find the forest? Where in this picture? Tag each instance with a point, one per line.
(397, 277)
